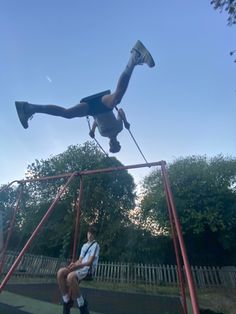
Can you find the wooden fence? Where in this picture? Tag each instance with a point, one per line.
(155, 275)
(152, 275)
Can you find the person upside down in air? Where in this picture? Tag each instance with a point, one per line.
(99, 106)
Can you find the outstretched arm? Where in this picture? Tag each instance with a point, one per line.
(92, 132)
(122, 116)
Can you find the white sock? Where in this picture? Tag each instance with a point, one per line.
(80, 301)
(66, 298)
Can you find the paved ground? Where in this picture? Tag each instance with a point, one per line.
(100, 301)
(7, 309)
(11, 303)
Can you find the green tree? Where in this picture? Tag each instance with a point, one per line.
(205, 197)
(7, 204)
(226, 5)
(230, 7)
(106, 202)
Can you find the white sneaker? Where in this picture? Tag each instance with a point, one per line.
(22, 113)
(143, 55)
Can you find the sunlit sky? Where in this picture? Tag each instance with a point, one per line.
(57, 52)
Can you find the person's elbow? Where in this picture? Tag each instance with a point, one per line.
(90, 261)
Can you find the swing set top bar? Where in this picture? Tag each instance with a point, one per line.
(150, 164)
(172, 213)
(88, 172)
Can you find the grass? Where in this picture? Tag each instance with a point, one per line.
(218, 300)
(132, 288)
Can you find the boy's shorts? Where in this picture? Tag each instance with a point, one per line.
(95, 103)
(82, 273)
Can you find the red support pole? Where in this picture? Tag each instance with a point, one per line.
(193, 295)
(3, 257)
(85, 172)
(77, 224)
(8, 185)
(176, 246)
(118, 168)
(36, 231)
(175, 225)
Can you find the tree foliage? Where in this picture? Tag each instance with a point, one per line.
(205, 197)
(226, 5)
(204, 192)
(106, 202)
(8, 198)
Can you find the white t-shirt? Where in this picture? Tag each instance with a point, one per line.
(93, 251)
(108, 125)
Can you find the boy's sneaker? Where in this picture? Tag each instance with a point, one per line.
(21, 108)
(144, 55)
(84, 309)
(67, 306)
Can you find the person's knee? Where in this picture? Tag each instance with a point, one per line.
(72, 277)
(117, 96)
(68, 114)
(78, 111)
(62, 272)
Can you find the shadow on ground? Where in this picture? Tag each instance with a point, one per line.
(11, 309)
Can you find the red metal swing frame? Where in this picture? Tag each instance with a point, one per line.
(178, 240)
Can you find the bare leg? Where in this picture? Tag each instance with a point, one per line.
(25, 110)
(139, 55)
(73, 283)
(62, 280)
(75, 294)
(115, 98)
(79, 110)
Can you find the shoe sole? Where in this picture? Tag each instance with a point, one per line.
(139, 46)
(19, 109)
(85, 309)
(67, 307)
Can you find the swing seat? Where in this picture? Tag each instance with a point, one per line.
(89, 276)
(98, 95)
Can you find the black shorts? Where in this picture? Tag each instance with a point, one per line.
(95, 103)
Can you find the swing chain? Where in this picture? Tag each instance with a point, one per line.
(98, 144)
(127, 126)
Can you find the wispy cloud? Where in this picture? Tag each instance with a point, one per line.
(49, 79)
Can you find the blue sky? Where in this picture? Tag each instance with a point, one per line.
(56, 52)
